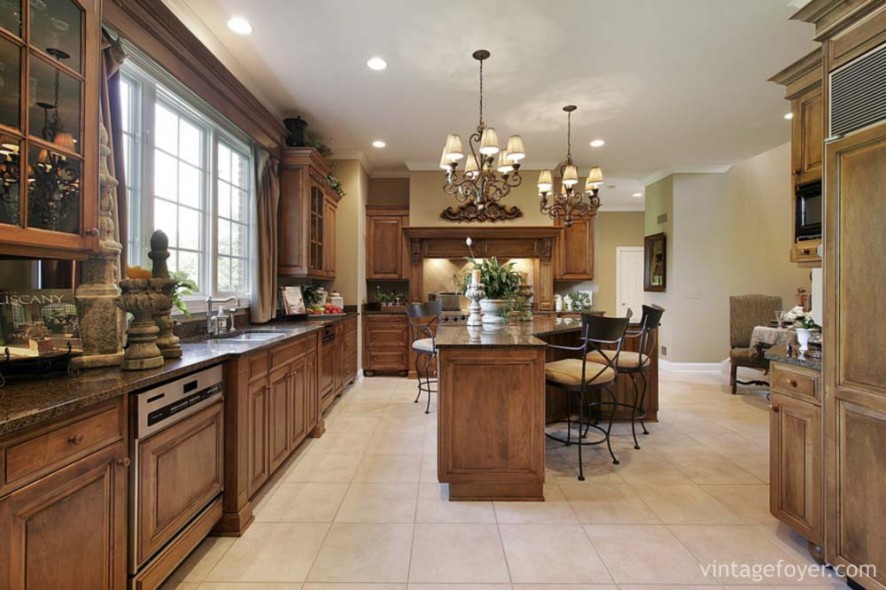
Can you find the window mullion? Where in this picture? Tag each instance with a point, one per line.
(211, 217)
(147, 167)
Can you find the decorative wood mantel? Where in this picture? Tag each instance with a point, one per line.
(535, 242)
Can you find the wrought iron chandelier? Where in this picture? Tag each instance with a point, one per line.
(489, 172)
(569, 203)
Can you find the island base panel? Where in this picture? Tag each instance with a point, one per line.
(467, 491)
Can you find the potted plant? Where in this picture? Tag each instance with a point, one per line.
(804, 325)
(500, 282)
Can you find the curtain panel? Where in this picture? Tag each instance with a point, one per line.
(264, 299)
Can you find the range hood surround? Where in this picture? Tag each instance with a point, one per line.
(536, 243)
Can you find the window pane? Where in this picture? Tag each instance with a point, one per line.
(189, 185)
(238, 275)
(240, 172)
(239, 240)
(165, 176)
(190, 142)
(189, 262)
(55, 115)
(56, 26)
(126, 93)
(53, 191)
(166, 129)
(10, 163)
(10, 66)
(224, 199)
(165, 218)
(224, 236)
(189, 228)
(224, 274)
(11, 16)
(240, 206)
(224, 162)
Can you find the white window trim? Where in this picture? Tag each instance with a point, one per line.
(148, 91)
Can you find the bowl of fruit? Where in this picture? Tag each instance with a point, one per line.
(326, 310)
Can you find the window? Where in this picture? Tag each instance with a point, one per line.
(191, 177)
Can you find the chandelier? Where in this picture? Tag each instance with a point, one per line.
(569, 203)
(489, 172)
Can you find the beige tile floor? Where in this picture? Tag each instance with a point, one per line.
(361, 509)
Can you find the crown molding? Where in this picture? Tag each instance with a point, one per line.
(656, 176)
(358, 155)
(390, 174)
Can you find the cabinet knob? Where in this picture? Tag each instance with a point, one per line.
(796, 172)
(792, 382)
(124, 462)
(93, 232)
(774, 409)
(75, 439)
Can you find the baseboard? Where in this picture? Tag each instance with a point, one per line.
(674, 367)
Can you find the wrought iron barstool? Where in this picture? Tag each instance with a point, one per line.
(423, 319)
(635, 364)
(579, 377)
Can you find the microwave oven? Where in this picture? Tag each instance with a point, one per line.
(808, 211)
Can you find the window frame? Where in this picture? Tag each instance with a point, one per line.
(146, 92)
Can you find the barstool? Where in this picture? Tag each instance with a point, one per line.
(580, 377)
(422, 321)
(635, 364)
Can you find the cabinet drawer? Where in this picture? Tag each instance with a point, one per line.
(393, 319)
(290, 351)
(387, 360)
(258, 366)
(795, 382)
(63, 445)
(390, 338)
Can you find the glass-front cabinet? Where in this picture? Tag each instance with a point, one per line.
(49, 110)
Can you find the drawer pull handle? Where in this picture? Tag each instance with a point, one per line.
(774, 409)
(75, 439)
(792, 382)
(124, 462)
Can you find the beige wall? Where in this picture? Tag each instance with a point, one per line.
(730, 235)
(388, 191)
(427, 200)
(614, 229)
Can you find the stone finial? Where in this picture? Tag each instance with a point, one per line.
(158, 254)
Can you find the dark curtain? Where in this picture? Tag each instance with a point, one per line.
(113, 57)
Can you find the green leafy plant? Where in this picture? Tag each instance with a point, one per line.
(318, 145)
(500, 281)
(184, 285)
(581, 301)
(336, 184)
(311, 295)
(388, 297)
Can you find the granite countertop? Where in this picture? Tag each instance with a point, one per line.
(779, 354)
(25, 403)
(514, 334)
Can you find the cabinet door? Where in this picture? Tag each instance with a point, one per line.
(405, 263)
(312, 392)
(807, 135)
(257, 435)
(384, 243)
(68, 530)
(298, 403)
(854, 375)
(293, 222)
(795, 465)
(575, 250)
(279, 393)
(329, 213)
(350, 350)
(316, 229)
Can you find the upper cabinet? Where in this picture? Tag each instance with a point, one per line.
(49, 109)
(387, 252)
(307, 216)
(574, 255)
(804, 87)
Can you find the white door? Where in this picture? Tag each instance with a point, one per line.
(629, 280)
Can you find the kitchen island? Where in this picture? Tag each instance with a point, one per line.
(494, 406)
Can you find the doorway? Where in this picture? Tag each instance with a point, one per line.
(629, 280)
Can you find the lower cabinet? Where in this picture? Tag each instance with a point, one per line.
(257, 438)
(67, 529)
(349, 361)
(385, 344)
(279, 416)
(795, 439)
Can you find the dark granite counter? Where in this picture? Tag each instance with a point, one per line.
(514, 334)
(25, 403)
(779, 354)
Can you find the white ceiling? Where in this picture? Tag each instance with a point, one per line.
(671, 85)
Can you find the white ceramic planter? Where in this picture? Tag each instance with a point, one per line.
(803, 338)
(493, 311)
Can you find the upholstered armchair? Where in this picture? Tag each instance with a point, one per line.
(745, 312)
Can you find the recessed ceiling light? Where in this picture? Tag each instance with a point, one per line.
(378, 143)
(239, 25)
(789, 116)
(598, 143)
(376, 63)
(637, 195)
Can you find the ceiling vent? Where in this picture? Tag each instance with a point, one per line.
(858, 93)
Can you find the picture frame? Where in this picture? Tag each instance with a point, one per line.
(293, 300)
(655, 263)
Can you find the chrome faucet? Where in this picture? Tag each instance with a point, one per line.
(212, 327)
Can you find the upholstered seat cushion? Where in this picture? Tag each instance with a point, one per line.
(741, 357)
(425, 345)
(568, 372)
(626, 360)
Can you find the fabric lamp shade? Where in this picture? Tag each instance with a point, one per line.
(545, 181)
(595, 177)
(516, 151)
(504, 162)
(570, 175)
(453, 150)
(489, 142)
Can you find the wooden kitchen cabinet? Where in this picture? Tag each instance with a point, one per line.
(385, 343)
(279, 400)
(49, 124)
(387, 252)
(574, 256)
(349, 350)
(68, 474)
(306, 216)
(257, 438)
(795, 463)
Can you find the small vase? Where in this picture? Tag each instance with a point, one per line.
(493, 310)
(803, 335)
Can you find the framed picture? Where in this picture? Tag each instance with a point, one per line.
(293, 300)
(655, 263)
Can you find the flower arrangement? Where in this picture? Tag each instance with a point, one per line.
(500, 281)
(801, 318)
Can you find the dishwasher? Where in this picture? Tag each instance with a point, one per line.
(177, 479)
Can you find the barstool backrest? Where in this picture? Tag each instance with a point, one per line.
(598, 331)
(650, 321)
(423, 318)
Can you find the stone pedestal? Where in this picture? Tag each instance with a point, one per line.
(169, 343)
(144, 298)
